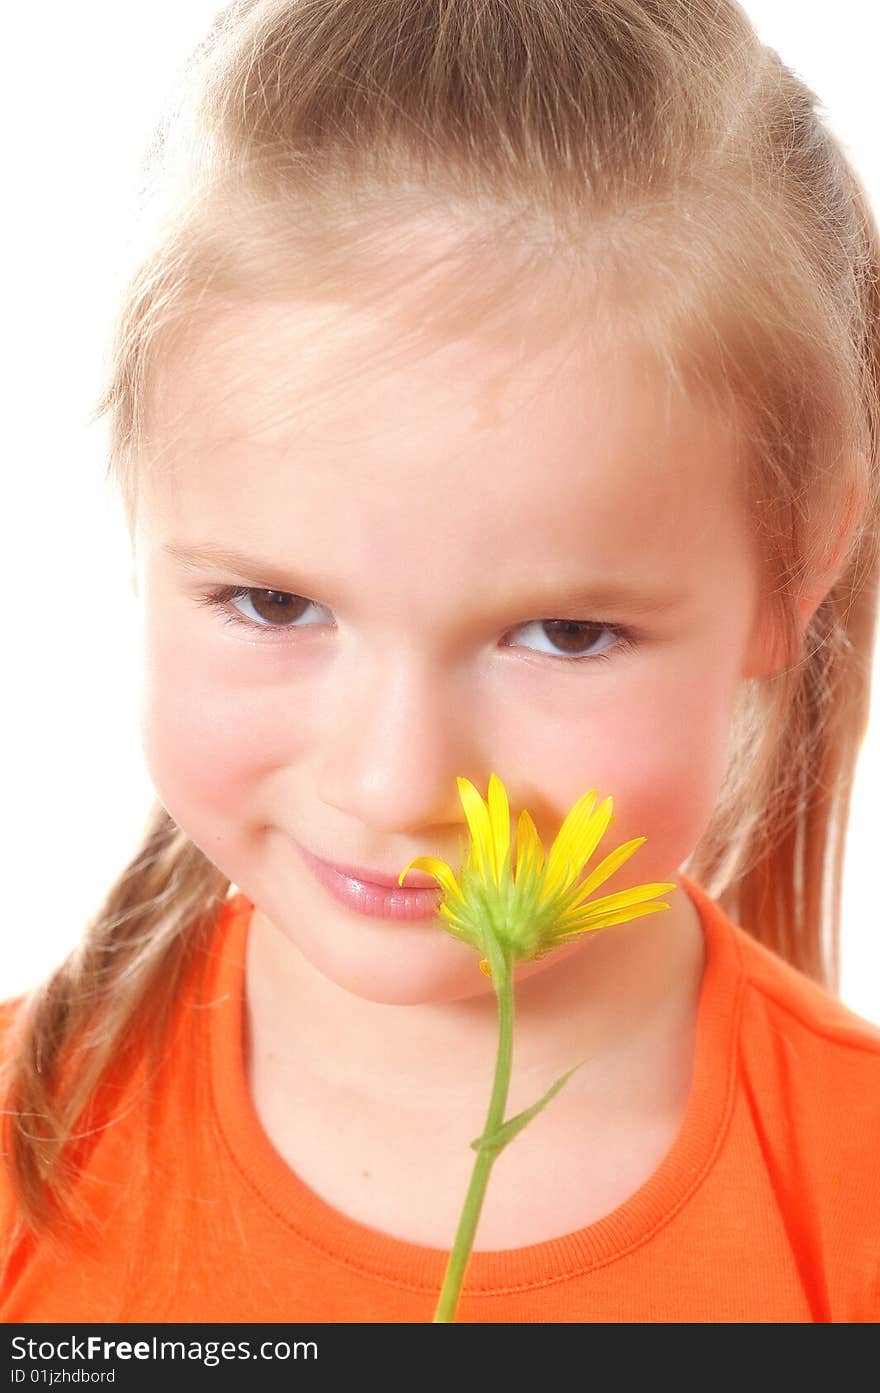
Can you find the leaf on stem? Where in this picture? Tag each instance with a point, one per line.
(496, 1141)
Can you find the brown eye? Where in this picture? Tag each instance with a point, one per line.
(574, 638)
(272, 609)
(570, 635)
(275, 607)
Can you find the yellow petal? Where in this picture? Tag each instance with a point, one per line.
(578, 838)
(622, 916)
(558, 857)
(481, 832)
(592, 834)
(606, 868)
(609, 904)
(579, 890)
(529, 850)
(438, 869)
(499, 821)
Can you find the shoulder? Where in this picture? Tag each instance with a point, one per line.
(786, 1017)
(817, 1059)
(809, 1079)
(796, 1008)
(822, 1059)
(807, 1065)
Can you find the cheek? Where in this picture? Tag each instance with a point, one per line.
(662, 762)
(210, 734)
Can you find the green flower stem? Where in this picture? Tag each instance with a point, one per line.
(502, 979)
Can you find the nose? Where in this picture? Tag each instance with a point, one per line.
(395, 738)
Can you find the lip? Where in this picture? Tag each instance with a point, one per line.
(374, 893)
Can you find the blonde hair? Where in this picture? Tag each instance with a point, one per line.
(668, 171)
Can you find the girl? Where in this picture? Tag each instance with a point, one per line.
(498, 390)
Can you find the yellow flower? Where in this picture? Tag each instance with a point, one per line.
(537, 906)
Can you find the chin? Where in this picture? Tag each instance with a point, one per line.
(406, 973)
(413, 987)
(419, 974)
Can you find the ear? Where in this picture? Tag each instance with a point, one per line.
(838, 547)
(764, 653)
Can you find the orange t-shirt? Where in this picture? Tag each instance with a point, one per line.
(766, 1208)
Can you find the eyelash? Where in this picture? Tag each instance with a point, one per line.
(220, 598)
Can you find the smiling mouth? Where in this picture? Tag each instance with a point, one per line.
(375, 900)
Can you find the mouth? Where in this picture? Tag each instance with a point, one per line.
(415, 880)
(376, 894)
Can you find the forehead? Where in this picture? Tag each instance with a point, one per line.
(274, 414)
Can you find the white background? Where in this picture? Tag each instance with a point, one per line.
(82, 86)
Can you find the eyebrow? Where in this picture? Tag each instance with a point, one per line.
(206, 555)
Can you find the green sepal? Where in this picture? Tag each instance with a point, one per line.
(496, 1141)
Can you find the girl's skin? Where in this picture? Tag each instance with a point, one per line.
(433, 513)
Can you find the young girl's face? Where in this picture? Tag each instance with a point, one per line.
(420, 530)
